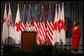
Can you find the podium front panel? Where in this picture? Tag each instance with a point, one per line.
(28, 41)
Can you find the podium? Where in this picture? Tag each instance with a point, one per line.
(28, 40)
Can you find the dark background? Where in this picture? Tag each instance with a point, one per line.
(72, 10)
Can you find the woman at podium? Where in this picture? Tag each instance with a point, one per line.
(30, 26)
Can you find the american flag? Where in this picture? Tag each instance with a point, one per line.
(50, 27)
(36, 24)
(42, 30)
(24, 15)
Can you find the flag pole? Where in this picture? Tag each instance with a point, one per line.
(63, 8)
(41, 18)
(20, 18)
(34, 19)
(58, 45)
(59, 27)
(63, 46)
(53, 45)
(25, 12)
(8, 34)
(30, 11)
(8, 29)
(39, 24)
(6, 20)
(53, 48)
(39, 27)
(24, 6)
(9, 37)
(46, 41)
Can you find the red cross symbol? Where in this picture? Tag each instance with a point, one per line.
(62, 25)
(18, 26)
(4, 20)
(56, 25)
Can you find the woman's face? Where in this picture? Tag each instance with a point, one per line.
(74, 23)
(30, 23)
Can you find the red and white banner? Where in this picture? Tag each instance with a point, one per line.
(5, 26)
(10, 22)
(56, 33)
(17, 28)
(62, 26)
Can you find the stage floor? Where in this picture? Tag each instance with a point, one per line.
(37, 50)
